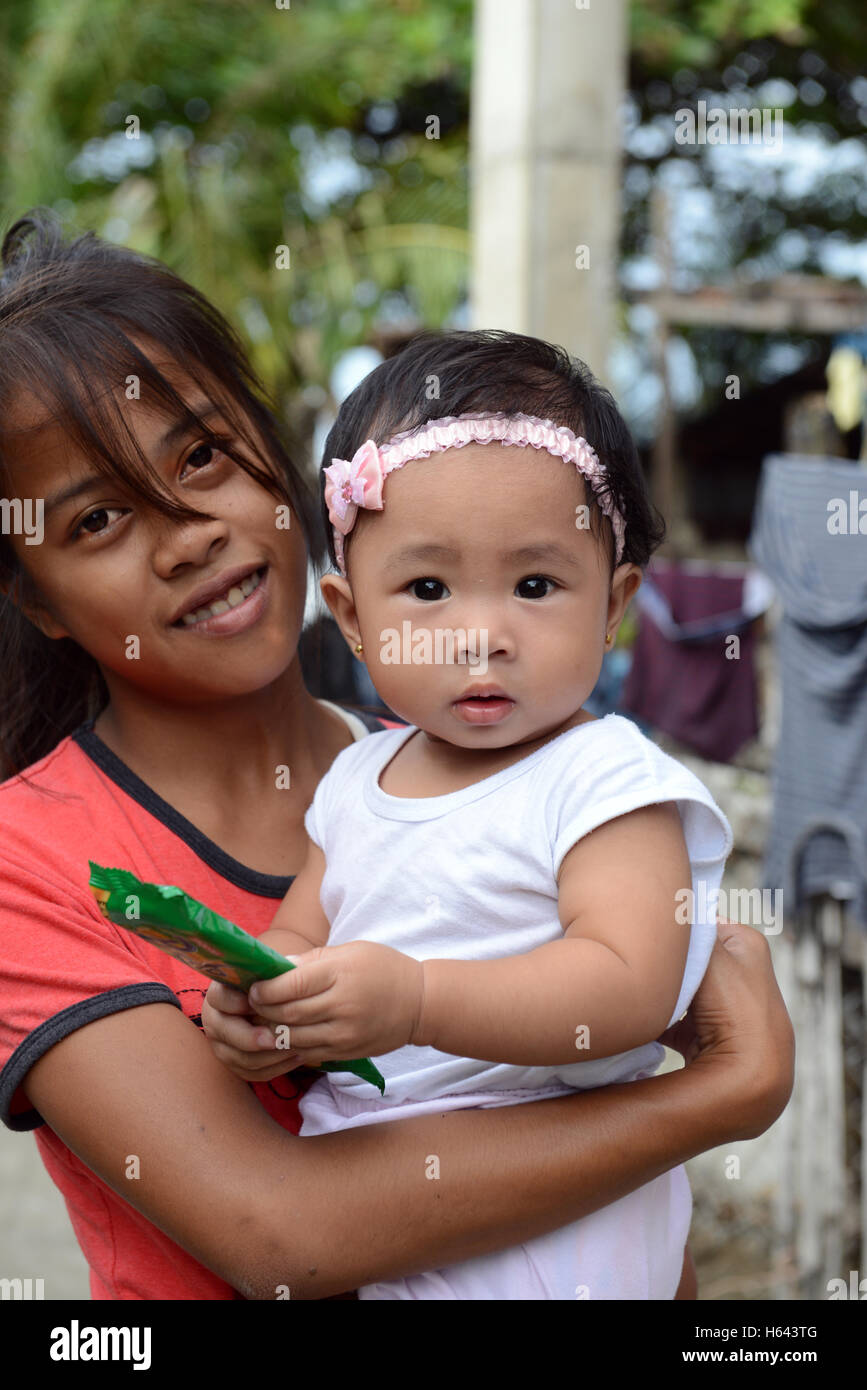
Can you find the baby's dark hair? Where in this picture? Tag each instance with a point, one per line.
(443, 374)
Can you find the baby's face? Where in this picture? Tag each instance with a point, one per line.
(481, 574)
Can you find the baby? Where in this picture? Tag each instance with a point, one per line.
(491, 906)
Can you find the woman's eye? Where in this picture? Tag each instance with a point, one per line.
(202, 455)
(534, 586)
(97, 521)
(428, 589)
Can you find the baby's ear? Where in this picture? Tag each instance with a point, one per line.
(338, 595)
(632, 581)
(624, 585)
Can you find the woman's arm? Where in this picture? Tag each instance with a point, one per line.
(262, 1208)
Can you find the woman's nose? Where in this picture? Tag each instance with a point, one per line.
(181, 543)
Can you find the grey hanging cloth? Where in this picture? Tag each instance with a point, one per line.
(810, 537)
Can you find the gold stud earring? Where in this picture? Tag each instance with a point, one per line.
(358, 649)
(608, 639)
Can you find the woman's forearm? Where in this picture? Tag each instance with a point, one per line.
(272, 1213)
(387, 1200)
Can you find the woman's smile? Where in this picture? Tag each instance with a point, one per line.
(237, 605)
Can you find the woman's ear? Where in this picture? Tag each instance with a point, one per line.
(48, 626)
(30, 608)
(338, 595)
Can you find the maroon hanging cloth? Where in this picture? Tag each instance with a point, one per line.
(681, 680)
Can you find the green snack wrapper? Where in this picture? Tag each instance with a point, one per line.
(191, 932)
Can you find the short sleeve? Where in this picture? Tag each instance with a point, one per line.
(62, 965)
(618, 770)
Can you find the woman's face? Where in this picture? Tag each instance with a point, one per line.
(119, 578)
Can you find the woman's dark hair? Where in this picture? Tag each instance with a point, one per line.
(443, 374)
(70, 310)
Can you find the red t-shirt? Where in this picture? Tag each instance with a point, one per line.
(62, 965)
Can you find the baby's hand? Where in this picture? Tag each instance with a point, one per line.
(241, 1041)
(343, 1002)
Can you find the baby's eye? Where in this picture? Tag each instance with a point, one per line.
(534, 586)
(97, 521)
(428, 589)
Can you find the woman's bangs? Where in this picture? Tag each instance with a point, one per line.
(97, 418)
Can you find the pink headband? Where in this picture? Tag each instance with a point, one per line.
(358, 483)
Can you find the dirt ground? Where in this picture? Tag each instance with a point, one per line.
(36, 1237)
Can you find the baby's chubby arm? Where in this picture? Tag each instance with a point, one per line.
(608, 984)
(299, 923)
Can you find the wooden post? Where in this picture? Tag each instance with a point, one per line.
(863, 1265)
(663, 467)
(808, 1103)
(786, 1129)
(833, 1066)
(545, 144)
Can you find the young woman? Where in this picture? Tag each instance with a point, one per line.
(153, 565)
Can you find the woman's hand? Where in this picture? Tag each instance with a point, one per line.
(241, 1040)
(738, 1020)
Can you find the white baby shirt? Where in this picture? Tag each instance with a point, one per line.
(472, 875)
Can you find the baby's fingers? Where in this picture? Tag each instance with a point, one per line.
(314, 975)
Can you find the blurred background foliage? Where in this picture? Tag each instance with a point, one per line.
(310, 128)
(257, 128)
(744, 213)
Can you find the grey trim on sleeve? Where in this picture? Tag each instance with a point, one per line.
(55, 1029)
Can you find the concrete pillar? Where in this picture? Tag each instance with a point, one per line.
(545, 142)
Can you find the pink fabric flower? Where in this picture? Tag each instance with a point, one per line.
(353, 485)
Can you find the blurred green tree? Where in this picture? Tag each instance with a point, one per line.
(214, 135)
(805, 213)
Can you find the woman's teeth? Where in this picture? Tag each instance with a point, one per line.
(236, 595)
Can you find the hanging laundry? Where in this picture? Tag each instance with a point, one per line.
(818, 565)
(688, 677)
(846, 378)
(846, 373)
